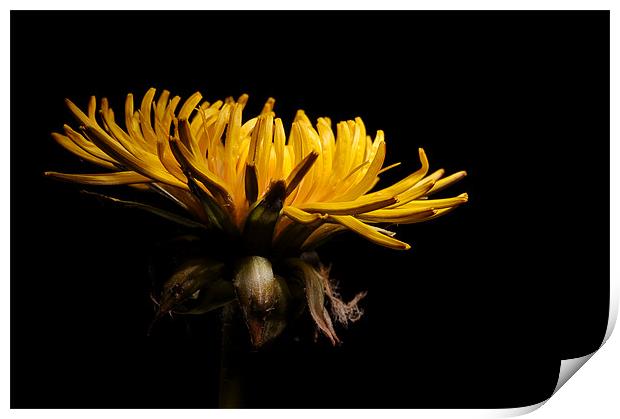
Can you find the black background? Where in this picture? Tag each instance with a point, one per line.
(478, 313)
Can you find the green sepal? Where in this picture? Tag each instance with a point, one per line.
(170, 216)
(262, 219)
(322, 241)
(263, 296)
(214, 294)
(291, 239)
(191, 277)
(217, 216)
(251, 183)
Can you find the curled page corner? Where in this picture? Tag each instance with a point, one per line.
(518, 411)
(568, 367)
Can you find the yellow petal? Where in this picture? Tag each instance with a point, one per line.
(105, 142)
(435, 176)
(388, 233)
(223, 119)
(186, 137)
(87, 145)
(196, 120)
(144, 117)
(298, 173)
(409, 181)
(412, 209)
(359, 140)
(168, 117)
(164, 153)
(279, 140)
(135, 133)
(118, 178)
(368, 232)
(295, 143)
(342, 154)
(81, 116)
(189, 105)
(309, 141)
(358, 206)
(389, 215)
(247, 127)
(208, 116)
(410, 217)
(243, 99)
(420, 189)
(268, 105)
(264, 150)
(162, 103)
(215, 185)
(447, 181)
(66, 142)
(301, 216)
(437, 203)
(366, 182)
(391, 166)
(121, 136)
(112, 147)
(441, 212)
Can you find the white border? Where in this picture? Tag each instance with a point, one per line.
(311, 5)
(595, 394)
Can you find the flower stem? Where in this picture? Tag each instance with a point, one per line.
(230, 361)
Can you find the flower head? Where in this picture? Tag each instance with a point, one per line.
(272, 197)
(291, 192)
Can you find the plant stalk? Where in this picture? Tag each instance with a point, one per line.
(230, 361)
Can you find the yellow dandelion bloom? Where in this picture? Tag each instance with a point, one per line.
(272, 197)
(236, 175)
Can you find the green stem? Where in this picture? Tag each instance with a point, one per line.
(230, 365)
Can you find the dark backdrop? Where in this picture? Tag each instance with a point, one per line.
(478, 313)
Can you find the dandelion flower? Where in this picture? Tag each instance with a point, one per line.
(275, 195)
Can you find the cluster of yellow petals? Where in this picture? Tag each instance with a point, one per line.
(329, 176)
